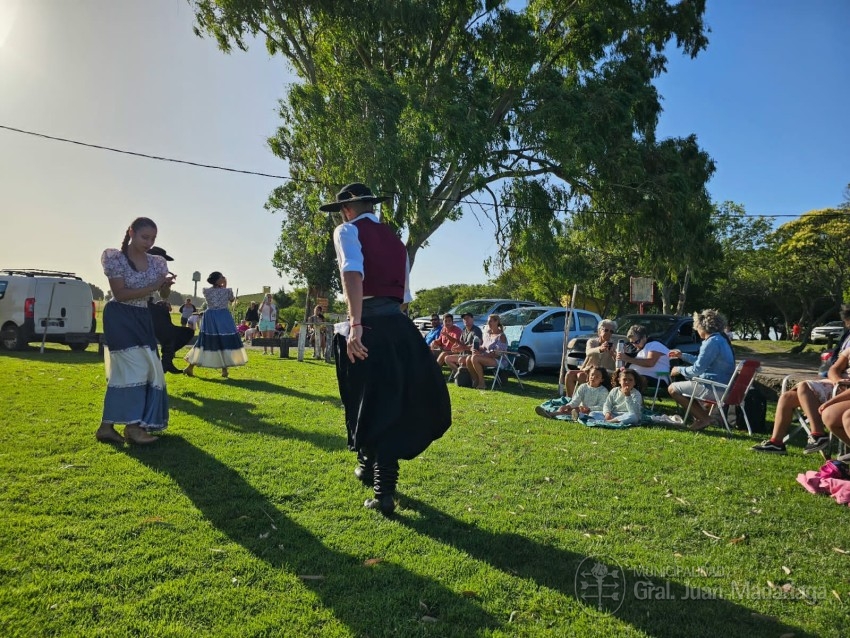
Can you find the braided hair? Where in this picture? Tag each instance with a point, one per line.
(136, 226)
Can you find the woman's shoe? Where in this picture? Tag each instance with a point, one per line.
(189, 372)
(137, 435)
(224, 373)
(106, 434)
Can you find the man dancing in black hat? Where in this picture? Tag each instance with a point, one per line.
(396, 401)
(171, 338)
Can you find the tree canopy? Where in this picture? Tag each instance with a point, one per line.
(443, 102)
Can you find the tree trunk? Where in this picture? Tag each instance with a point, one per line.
(683, 293)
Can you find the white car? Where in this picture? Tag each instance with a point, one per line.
(538, 333)
(39, 304)
(830, 331)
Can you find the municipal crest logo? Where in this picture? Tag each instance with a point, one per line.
(600, 583)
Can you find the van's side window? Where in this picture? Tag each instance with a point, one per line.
(3, 285)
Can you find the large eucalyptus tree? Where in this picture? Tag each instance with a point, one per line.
(439, 102)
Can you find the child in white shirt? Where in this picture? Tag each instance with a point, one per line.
(624, 403)
(587, 398)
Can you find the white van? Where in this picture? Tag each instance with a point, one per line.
(36, 304)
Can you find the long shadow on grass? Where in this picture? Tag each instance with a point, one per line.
(237, 416)
(667, 610)
(254, 385)
(383, 599)
(52, 355)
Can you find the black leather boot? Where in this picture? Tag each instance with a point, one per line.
(365, 470)
(386, 477)
(168, 366)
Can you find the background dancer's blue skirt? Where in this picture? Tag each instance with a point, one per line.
(135, 390)
(218, 344)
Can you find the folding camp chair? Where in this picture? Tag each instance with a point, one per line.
(724, 395)
(507, 362)
(660, 376)
(802, 420)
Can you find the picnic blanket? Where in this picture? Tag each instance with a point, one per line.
(649, 418)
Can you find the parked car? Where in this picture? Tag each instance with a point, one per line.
(36, 304)
(538, 333)
(480, 308)
(671, 330)
(831, 331)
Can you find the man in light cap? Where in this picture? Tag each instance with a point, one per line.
(396, 402)
(171, 338)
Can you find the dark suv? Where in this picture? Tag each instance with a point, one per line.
(671, 330)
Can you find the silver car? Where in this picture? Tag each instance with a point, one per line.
(538, 333)
(831, 331)
(480, 309)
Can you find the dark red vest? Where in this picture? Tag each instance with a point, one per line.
(384, 260)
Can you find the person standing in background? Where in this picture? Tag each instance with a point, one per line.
(186, 310)
(252, 315)
(319, 332)
(268, 318)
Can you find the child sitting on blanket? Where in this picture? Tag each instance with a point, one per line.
(588, 396)
(624, 403)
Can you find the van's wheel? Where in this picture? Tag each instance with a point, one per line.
(11, 338)
(78, 347)
(530, 362)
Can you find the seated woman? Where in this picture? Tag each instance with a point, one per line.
(652, 360)
(836, 415)
(624, 403)
(493, 341)
(589, 397)
(599, 353)
(715, 362)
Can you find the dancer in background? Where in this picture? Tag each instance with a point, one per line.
(396, 401)
(171, 338)
(219, 344)
(136, 395)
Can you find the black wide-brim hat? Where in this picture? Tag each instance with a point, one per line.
(355, 192)
(156, 250)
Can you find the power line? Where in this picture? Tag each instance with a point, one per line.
(161, 158)
(155, 157)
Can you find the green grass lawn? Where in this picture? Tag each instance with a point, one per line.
(245, 520)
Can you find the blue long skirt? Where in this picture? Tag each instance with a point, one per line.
(218, 344)
(135, 390)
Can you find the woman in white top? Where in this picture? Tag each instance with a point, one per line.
(493, 341)
(268, 318)
(652, 360)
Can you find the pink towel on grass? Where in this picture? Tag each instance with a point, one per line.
(821, 483)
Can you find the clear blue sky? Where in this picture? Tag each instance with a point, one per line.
(768, 100)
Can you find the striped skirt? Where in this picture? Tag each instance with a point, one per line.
(218, 344)
(135, 390)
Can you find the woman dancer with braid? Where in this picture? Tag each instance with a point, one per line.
(136, 395)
